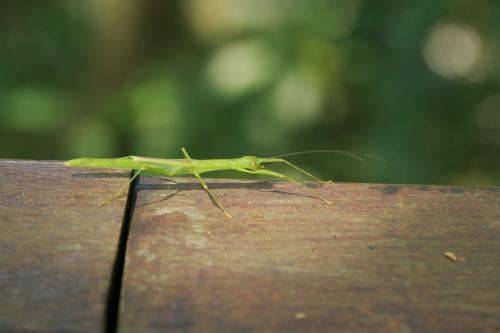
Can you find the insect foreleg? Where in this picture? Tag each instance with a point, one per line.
(302, 171)
(279, 175)
(270, 173)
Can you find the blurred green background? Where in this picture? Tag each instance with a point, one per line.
(414, 82)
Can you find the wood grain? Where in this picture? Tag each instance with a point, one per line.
(57, 247)
(372, 262)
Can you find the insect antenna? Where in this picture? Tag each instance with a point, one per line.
(358, 156)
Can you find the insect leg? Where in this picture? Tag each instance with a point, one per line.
(185, 153)
(279, 175)
(280, 160)
(217, 203)
(270, 173)
(197, 175)
(119, 193)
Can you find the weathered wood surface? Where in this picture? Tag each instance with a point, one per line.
(57, 247)
(373, 262)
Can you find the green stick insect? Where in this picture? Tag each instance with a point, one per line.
(188, 166)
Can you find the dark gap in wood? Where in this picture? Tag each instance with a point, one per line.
(115, 286)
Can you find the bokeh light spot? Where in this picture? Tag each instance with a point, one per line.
(157, 116)
(217, 19)
(452, 50)
(298, 101)
(241, 66)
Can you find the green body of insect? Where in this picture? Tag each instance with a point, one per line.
(188, 166)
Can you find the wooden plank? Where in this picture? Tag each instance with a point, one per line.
(373, 262)
(57, 247)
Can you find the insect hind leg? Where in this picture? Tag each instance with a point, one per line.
(122, 189)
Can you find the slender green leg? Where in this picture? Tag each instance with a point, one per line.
(119, 193)
(205, 187)
(280, 160)
(185, 153)
(306, 173)
(217, 203)
(271, 173)
(279, 175)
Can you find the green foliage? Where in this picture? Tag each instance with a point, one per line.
(414, 83)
